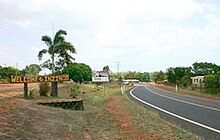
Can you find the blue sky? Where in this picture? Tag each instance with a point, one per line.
(144, 35)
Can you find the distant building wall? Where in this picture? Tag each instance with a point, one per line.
(197, 81)
(130, 81)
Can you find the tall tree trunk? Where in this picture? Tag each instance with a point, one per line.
(54, 89)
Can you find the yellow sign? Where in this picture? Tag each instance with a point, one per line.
(36, 79)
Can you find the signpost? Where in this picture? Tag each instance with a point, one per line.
(37, 79)
(100, 77)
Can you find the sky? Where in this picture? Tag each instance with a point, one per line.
(142, 35)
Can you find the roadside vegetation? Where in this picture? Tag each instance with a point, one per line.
(181, 76)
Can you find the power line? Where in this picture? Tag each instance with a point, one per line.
(53, 28)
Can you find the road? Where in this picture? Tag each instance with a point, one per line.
(198, 115)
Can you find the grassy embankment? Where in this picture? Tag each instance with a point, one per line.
(195, 92)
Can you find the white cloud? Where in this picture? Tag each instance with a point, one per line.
(7, 57)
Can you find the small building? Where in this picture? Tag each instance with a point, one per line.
(130, 81)
(197, 81)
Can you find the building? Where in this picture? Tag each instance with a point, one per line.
(197, 81)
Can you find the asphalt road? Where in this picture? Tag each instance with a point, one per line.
(198, 115)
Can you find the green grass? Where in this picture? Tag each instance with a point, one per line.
(98, 121)
(194, 92)
(199, 91)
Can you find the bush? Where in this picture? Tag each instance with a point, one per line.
(44, 88)
(74, 91)
(212, 83)
(31, 93)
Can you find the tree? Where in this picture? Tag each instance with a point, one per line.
(130, 75)
(158, 76)
(144, 77)
(212, 83)
(60, 55)
(203, 68)
(179, 75)
(106, 69)
(6, 72)
(78, 72)
(32, 70)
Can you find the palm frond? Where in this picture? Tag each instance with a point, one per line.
(47, 40)
(47, 64)
(51, 50)
(58, 38)
(67, 46)
(68, 59)
(41, 53)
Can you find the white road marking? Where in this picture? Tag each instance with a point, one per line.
(182, 100)
(175, 115)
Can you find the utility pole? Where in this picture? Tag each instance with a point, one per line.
(118, 64)
(16, 67)
(53, 28)
(53, 69)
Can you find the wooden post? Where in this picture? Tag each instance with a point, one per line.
(25, 90)
(54, 89)
(176, 88)
(104, 89)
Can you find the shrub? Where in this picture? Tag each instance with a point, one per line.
(212, 83)
(44, 88)
(74, 91)
(31, 93)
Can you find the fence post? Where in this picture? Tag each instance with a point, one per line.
(176, 88)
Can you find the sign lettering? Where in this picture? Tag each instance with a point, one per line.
(36, 79)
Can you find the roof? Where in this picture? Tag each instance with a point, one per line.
(197, 77)
(130, 80)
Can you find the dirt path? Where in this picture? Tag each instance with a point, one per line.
(10, 90)
(12, 87)
(124, 119)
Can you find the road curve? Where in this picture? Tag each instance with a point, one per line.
(198, 115)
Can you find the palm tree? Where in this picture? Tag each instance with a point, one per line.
(60, 55)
